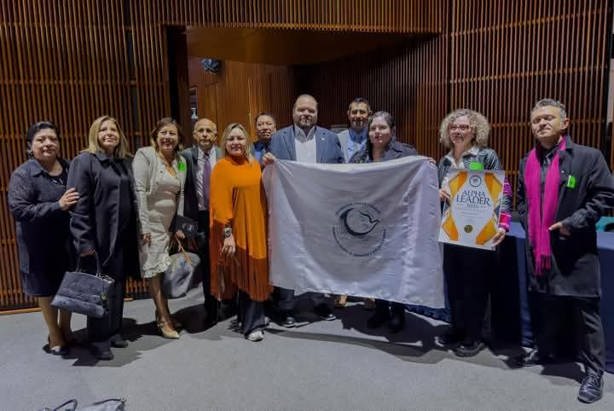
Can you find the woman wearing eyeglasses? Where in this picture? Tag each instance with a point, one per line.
(465, 133)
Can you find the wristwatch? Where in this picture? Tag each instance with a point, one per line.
(227, 232)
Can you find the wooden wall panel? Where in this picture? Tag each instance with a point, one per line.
(240, 91)
(392, 16)
(504, 60)
(65, 61)
(499, 61)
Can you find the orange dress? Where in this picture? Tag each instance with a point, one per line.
(237, 199)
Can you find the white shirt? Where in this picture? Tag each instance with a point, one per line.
(305, 145)
(200, 163)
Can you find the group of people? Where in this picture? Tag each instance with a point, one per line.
(118, 214)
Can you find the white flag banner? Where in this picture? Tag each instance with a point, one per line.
(366, 230)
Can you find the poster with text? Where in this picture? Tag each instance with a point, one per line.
(472, 217)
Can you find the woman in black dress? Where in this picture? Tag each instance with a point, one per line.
(39, 201)
(104, 224)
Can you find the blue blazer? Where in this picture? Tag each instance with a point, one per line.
(328, 149)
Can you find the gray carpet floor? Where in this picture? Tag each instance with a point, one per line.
(337, 365)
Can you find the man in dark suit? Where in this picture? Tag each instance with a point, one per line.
(305, 142)
(200, 159)
(563, 189)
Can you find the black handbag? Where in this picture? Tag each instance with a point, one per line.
(112, 404)
(187, 225)
(83, 293)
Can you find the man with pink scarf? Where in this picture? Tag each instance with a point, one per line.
(563, 189)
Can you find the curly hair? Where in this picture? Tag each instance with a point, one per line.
(479, 125)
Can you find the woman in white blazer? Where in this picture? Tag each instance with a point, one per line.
(159, 175)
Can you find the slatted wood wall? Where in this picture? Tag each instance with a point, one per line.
(498, 61)
(73, 60)
(505, 60)
(242, 90)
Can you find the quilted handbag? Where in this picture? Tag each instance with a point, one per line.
(182, 274)
(83, 293)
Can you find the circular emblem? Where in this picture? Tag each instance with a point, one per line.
(468, 228)
(475, 181)
(359, 231)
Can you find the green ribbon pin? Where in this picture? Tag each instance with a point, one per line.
(181, 166)
(571, 181)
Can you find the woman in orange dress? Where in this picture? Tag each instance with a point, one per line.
(238, 231)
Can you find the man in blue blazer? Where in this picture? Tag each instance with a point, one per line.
(305, 142)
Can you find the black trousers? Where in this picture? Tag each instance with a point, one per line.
(105, 328)
(285, 301)
(251, 313)
(552, 315)
(211, 304)
(467, 274)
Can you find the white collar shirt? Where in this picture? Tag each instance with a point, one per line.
(305, 145)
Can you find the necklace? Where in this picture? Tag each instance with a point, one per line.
(167, 164)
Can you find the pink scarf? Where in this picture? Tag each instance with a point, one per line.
(542, 213)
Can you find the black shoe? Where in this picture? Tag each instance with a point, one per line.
(377, 319)
(469, 349)
(288, 321)
(118, 342)
(396, 322)
(60, 350)
(450, 339)
(532, 358)
(102, 352)
(324, 312)
(591, 389)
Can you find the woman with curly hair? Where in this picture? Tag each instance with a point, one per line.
(465, 133)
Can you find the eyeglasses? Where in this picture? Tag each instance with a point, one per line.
(461, 127)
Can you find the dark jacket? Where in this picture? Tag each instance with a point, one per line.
(394, 150)
(190, 205)
(95, 219)
(43, 236)
(575, 264)
(328, 149)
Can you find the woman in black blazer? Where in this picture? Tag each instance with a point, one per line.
(104, 224)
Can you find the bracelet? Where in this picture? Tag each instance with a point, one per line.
(227, 232)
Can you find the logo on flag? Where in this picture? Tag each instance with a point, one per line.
(358, 231)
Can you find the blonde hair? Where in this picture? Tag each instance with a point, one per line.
(226, 135)
(479, 126)
(121, 151)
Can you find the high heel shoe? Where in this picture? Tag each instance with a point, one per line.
(56, 349)
(176, 323)
(167, 330)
